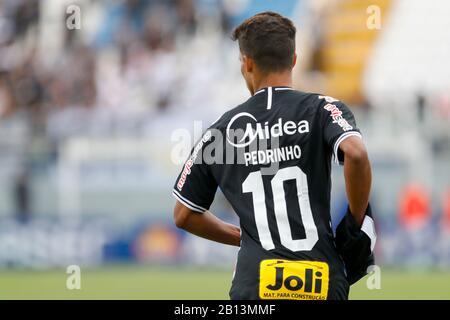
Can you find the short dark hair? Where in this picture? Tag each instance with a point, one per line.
(269, 39)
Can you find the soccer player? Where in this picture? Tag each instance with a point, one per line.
(281, 142)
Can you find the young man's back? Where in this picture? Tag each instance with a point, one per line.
(271, 158)
(278, 182)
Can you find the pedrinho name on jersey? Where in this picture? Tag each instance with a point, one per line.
(268, 156)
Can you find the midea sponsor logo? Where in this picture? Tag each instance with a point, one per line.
(254, 129)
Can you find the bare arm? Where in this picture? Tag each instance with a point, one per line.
(206, 225)
(358, 176)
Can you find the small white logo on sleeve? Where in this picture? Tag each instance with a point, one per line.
(336, 115)
(190, 162)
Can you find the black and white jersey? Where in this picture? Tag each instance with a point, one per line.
(271, 157)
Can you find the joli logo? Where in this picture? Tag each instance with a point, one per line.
(297, 280)
(295, 283)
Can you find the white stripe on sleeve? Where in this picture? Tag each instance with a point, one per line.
(188, 203)
(340, 139)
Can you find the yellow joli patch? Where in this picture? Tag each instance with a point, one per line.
(295, 280)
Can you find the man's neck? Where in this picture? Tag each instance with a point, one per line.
(283, 79)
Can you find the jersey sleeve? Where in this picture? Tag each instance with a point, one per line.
(195, 186)
(339, 125)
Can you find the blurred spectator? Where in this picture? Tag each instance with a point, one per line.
(446, 211)
(421, 106)
(78, 80)
(28, 89)
(22, 197)
(123, 22)
(414, 207)
(7, 98)
(16, 18)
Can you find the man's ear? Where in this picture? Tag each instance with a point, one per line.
(294, 61)
(248, 64)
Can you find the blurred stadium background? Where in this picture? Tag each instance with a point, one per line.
(86, 137)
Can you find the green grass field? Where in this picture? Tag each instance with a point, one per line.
(139, 282)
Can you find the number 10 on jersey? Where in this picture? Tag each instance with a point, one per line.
(254, 184)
